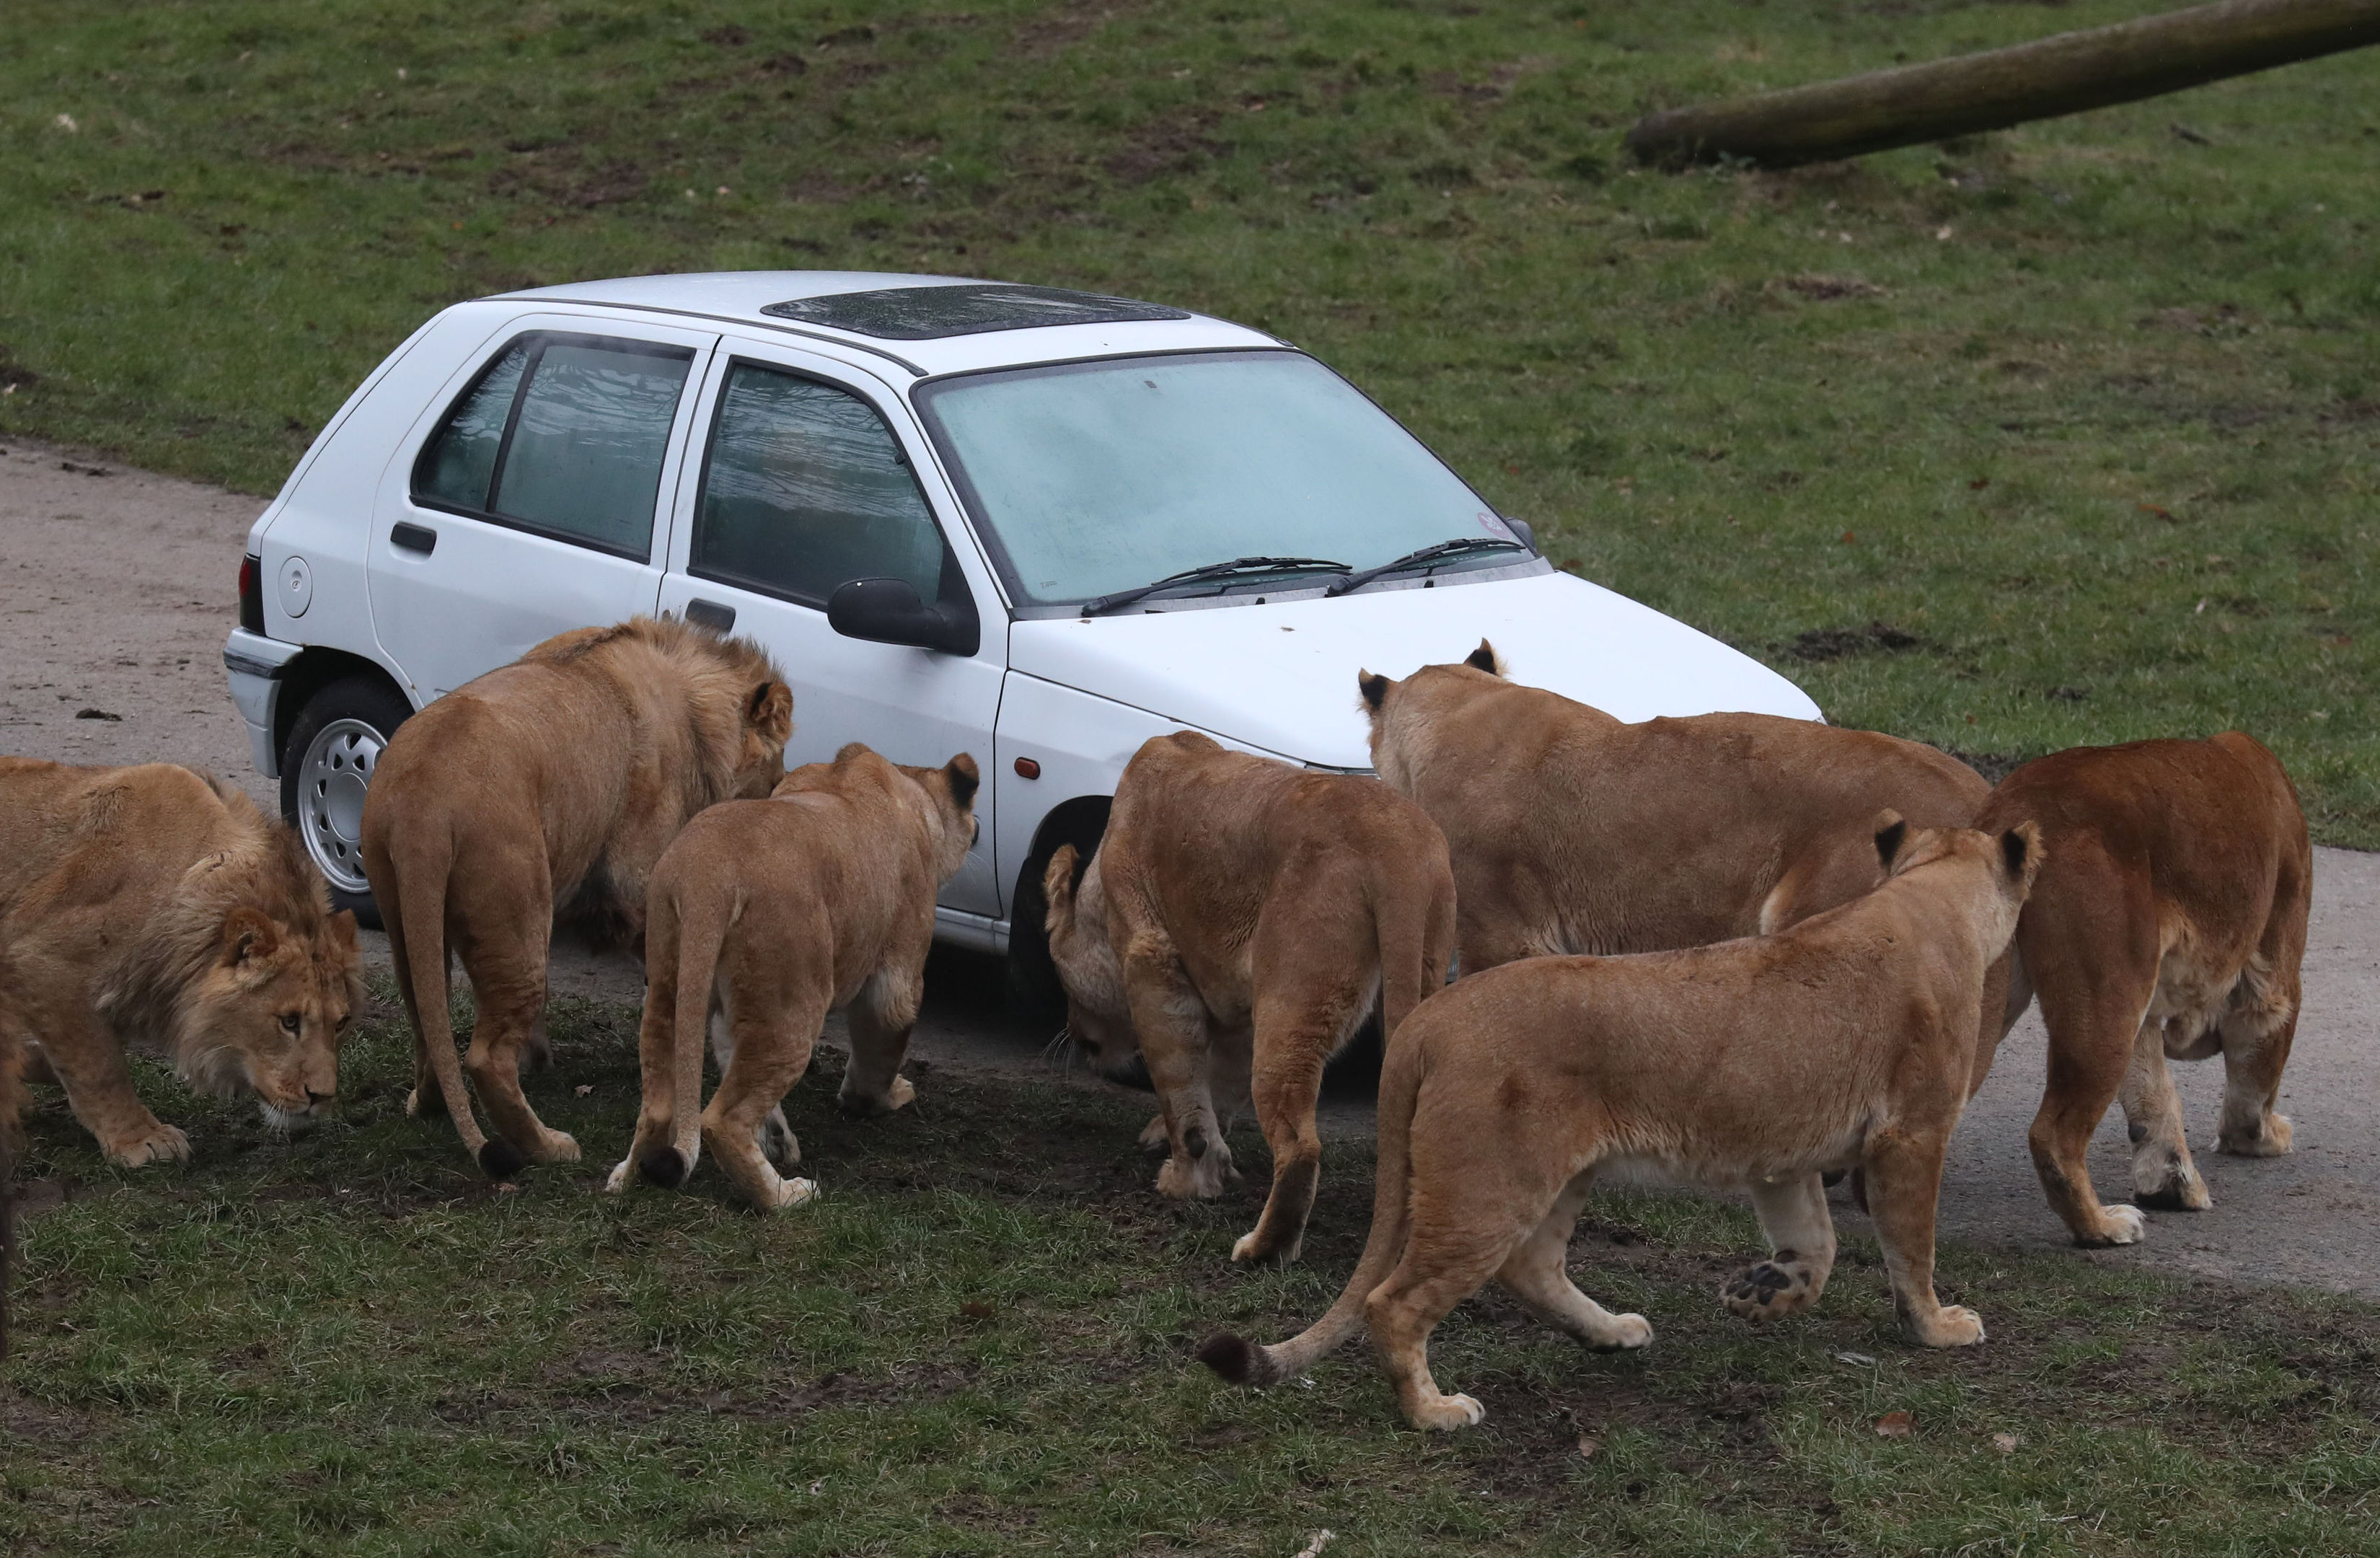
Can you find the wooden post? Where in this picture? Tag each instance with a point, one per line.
(2040, 81)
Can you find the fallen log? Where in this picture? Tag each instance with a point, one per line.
(2067, 74)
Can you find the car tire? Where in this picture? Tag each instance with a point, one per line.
(326, 766)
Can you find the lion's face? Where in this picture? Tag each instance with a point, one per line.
(1099, 1016)
(268, 1014)
(768, 723)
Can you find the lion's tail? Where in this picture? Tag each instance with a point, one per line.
(419, 901)
(683, 934)
(1243, 1362)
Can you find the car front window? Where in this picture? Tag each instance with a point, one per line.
(1098, 477)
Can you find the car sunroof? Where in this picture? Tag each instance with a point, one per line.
(928, 313)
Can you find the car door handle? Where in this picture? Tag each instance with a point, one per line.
(710, 615)
(410, 537)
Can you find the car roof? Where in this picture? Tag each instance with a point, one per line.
(744, 298)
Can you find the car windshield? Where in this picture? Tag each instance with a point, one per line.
(1092, 477)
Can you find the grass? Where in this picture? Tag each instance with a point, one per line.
(2084, 416)
(977, 1341)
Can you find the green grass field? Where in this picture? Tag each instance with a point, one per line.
(978, 1341)
(2087, 413)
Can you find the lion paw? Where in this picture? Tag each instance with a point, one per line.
(164, 1144)
(1153, 1136)
(1246, 1249)
(1627, 1333)
(894, 1097)
(777, 1141)
(555, 1146)
(1769, 1291)
(2123, 1224)
(622, 1174)
(2173, 1187)
(2271, 1139)
(1200, 1178)
(1953, 1325)
(791, 1193)
(1448, 1413)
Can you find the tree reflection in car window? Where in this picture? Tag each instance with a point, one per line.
(806, 490)
(565, 436)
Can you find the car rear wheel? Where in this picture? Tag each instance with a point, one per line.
(326, 769)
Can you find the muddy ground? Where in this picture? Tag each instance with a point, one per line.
(116, 588)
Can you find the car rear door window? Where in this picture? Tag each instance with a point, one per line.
(807, 489)
(562, 435)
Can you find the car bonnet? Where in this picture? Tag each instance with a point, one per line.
(1282, 677)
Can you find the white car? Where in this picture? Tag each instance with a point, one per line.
(1034, 525)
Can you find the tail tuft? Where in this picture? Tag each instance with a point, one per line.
(664, 1166)
(499, 1159)
(1237, 1361)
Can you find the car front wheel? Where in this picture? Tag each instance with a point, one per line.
(326, 770)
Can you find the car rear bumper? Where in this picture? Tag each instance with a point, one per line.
(255, 664)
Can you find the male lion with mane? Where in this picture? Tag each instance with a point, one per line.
(1846, 1040)
(545, 790)
(1240, 921)
(154, 905)
(766, 915)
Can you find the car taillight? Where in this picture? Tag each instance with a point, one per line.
(251, 593)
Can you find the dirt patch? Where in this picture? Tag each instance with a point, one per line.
(1819, 644)
(1177, 143)
(1830, 289)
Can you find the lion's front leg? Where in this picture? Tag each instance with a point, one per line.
(1171, 1022)
(84, 1058)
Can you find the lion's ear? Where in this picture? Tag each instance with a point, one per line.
(343, 933)
(1891, 831)
(1484, 659)
(1374, 688)
(769, 710)
(1057, 888)
(248, 935)
(964, 779)
(2020, 849)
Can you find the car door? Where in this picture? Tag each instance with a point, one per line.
(810, 474)
(525, 501)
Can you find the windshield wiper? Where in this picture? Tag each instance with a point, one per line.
(1427, 557)
(1213, 570)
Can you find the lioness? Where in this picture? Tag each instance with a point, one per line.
(154, 905)
(546, 789)
(766, 915)
(2168, 924)
(1239, 921)
(1846, 1039)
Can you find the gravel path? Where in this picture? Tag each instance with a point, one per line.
(116, 591)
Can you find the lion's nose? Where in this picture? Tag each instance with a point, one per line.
(316, 1100)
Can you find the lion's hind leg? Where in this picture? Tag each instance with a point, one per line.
(2164, 1176)
(880, 1020)
(1293, 1038)
(1800, 1233)
(1537, 1275)
(772, 1044)
(2258, 1030)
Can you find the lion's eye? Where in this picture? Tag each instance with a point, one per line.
(291, 1022)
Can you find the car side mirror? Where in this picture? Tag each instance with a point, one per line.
(1522, 533)
(887, 611)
